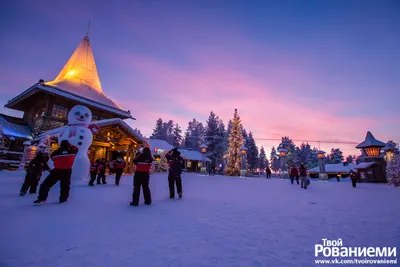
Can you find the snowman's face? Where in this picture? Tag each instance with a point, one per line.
(80, 115)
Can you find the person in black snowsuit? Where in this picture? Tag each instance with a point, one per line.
(175, 162)
(33, 173)
(268, 172)
(119, 169)
(142, 177)
(102, 171)
(63, 159)
(93, 172)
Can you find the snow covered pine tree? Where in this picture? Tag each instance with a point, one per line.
(393, 171)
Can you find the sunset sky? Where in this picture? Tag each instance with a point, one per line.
(310, 70)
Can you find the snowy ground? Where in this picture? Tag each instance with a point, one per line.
(221, 221)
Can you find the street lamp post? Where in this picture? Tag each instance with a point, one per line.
(243, 152)
(282, 156)
(323, 176)
(203, 149)
(374, 167)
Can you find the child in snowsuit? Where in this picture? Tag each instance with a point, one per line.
(63, 159)
(175, 162)
(294, 173)
(93, 172)
(33, 173)
(119, 169)
(303, 177)
(142, 177)
(102, 171)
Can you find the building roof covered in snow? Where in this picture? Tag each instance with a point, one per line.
(78, 80)
(193, 155)
(364, 165)
(336, 168)
(156, 144)
(10, 128)
(370, 141)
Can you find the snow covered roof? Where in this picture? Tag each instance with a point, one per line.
(364, 165)
(370, 141)
(15, 130)
(389, 146)
(159, 144)
(336, 168)
(79, 97)
(101, 123)
(193, 155)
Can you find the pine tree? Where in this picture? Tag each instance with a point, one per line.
(274, 160)
(195, 131)
(314, 158)
(176, 136)
(168, 129)
(393, 170)
(235, 142)
(158, 130)
(214, 138)
(288, 144)
(350, 159)
(252, 153)
(336, 156)
(262, 160)
(304, 155)
(187, 142)
(361, 157)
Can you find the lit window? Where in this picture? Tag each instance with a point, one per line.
(59, 112)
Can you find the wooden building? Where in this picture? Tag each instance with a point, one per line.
(46, 106)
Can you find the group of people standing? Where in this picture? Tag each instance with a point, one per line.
(143, 163)
(63, 159)
(301, 173)
(98, 170)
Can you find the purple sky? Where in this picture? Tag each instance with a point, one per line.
(311, 70)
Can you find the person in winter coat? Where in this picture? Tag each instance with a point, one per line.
(294, 173)
(353, 177)
(93, 172)
(119, 166)
(63, 159)
(175, 162)
(303, 177)
(33, 173)
(101, 169)
(141, 178)
(268, 172)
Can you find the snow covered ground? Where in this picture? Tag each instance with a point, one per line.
(221, 221)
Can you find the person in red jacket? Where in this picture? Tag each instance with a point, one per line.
(142, 176)
(93, 172)
(102, 171)
(294, 173)
(176, 163)
(63, 159)
(119, 166)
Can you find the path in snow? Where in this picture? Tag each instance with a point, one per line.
(221, 221)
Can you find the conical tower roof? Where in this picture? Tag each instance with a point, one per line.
(370, 141)
(79, 75)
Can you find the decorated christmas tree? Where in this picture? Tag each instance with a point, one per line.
(235, 142)
(393, 171)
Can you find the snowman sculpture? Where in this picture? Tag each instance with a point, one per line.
(79, 133)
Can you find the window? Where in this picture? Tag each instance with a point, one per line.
(95, 117)
(59, 112)
(40, 112)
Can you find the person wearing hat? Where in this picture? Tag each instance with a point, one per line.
(175, 162)
(63, 159)
(141, 178)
